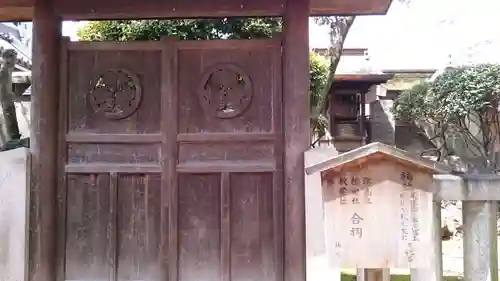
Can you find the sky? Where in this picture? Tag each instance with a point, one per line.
(423, 34)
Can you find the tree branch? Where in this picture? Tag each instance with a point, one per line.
(339, 28)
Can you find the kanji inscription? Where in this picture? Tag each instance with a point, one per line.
(377, 214)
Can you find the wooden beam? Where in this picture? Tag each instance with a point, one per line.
(349, 7)
(43, 143)
(296, 134)
(127, 9)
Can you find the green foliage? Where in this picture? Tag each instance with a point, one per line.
(411, 104)
(454, 95)
(458, 112)
(465, 90)
(190, 29)
(318, 74)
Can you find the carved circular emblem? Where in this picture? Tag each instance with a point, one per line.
(225, 91)
(115, 93)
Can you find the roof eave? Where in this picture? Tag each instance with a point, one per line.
(376, 147)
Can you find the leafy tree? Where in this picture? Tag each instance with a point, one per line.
(318, 73)
(186, 29)
(339, 27)
(460, 106)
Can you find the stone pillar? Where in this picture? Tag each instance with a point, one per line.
(479, 220)
(434, 273)
(480, 240)
(318, 267)
(43, 143)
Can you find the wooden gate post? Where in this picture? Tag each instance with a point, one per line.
(296, 134)
(43, 143)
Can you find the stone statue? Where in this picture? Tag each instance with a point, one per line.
(9, 129)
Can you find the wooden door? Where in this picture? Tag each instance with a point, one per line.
(171, 161)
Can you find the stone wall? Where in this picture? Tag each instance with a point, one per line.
(318, 268)
(410, 138)
(382, 122)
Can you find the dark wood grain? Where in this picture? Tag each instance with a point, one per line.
(225, 217)
(255, 59)
(171, 192)
(117, 168)
(297, 134)
(199, 238)
(169, 127)
(139, 227)
(88, 220)
(278, 184)
(86, 65)
(252, 239)
(15, 10)
(42, 265)
(225, 137)
(62, 158)
(113, 138)
(112, 230)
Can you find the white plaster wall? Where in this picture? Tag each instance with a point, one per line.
(317, 262)
(13, 198)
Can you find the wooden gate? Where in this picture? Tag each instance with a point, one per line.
(171, 161)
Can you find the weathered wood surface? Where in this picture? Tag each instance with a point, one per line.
(296, 127)
(156, 183)
(377, 216)
(94, 9)
(43, 144)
